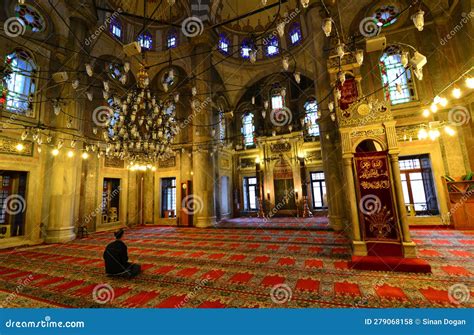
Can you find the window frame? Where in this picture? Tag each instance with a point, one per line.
(295, 27)
(405, 76)
(406, 172)
(313, 127)
(116, 23)
(165, 189)
(321, 184)
(31, 81)
(246, 194)
(245, 132)
(141, 39)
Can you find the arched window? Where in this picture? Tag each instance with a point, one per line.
(116, 28)
(295, 33)
(224, 44)
(222, 127)
(386, 15)
(397, 81)
(21, 84)
(115, 71)
(273, 47)
(248, 129)
(172, 39)
(146, 40)
(311, 117)
(32, 20)
(277, 100)
(245, 49)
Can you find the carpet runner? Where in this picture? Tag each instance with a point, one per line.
(232, 267)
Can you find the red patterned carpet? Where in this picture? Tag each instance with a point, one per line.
(228, 267)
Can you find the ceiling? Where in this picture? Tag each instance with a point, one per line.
(159, 8)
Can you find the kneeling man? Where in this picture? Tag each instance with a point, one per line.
(116, 258)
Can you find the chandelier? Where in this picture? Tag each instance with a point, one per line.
(140, 128)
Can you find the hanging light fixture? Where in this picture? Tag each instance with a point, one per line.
(141, 128)
(253, 56)
(404, 58)
(305, 3)
(456, 92)
(285, 63)
(359, 56)
(419, 19)
(340, 49)
(89, 70)
(297, 77)
(327, 26)
(341, 76)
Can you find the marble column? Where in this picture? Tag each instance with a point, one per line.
(359, 247)
(63, 172)
(204, 176)
(330, 141)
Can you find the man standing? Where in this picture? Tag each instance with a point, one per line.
(116, 258)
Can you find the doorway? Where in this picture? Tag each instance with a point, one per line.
(12, 203)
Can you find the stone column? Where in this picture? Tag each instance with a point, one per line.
(203, 162)
(330, 142)
(359, 246)
(62, 171)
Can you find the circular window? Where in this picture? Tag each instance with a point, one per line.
(30, 17)
(386, 15)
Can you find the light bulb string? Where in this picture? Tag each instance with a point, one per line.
(460, 77)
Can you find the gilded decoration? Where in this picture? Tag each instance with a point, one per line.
(9, 146)
(365, 112)
(167, 163)
(114, 162)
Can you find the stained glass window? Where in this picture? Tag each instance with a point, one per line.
(245, 49)
(248, 129)
(116, 28)
(115, 71)
(386, 15)
(146, 40)
(273, 47)
(295, 33)
(222, 126)
(172, 39)
(277, 101)
(397, 81)
(224, 44)
(31, 18)
(21, 85)
(311, 117)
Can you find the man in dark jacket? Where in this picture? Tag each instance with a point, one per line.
(116, 258)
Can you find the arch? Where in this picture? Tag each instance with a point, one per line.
(367, 142)
(146, 40)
